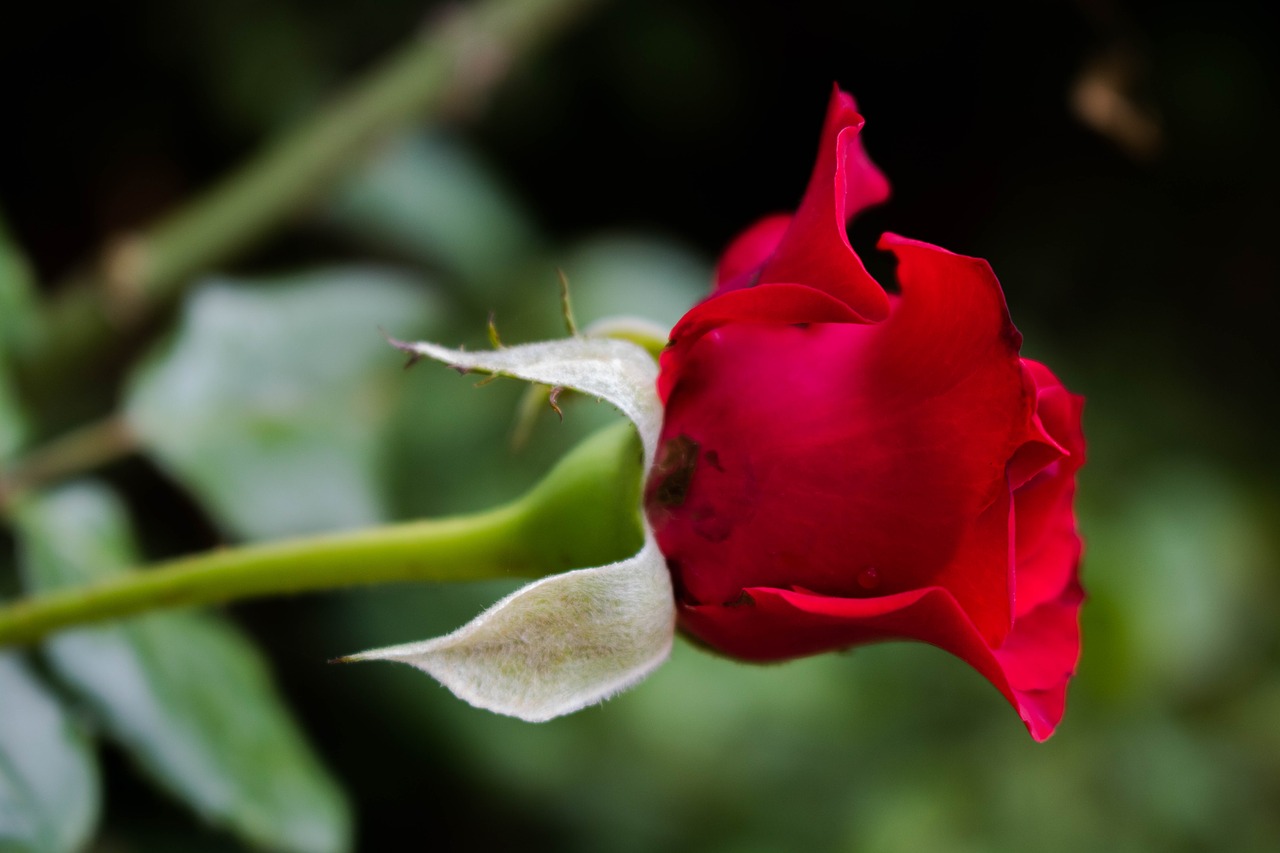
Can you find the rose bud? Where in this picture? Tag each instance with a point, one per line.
(839, 465)
(828, 465)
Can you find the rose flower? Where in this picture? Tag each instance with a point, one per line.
(839, 466)
(830, 464)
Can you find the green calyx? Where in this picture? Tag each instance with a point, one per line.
(586, 511)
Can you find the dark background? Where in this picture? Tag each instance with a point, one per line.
(692, 118)
(1137, 256)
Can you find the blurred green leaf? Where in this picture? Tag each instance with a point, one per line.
(185, 694)
(17, 296)
(430, 197)
(49, 789)
(1184, 560)
(13, 425)
(647, 277)
(270, 401)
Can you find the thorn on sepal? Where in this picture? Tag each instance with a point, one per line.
(554, 399)
(494, 340)
(566, 306)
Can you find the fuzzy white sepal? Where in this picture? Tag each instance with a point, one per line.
(575, 639)
(557, 645)
(614, 370)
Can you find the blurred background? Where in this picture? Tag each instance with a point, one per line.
(1114, 161)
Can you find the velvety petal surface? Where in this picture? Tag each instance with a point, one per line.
(851, 459)
(1041, 651)
(774, 304)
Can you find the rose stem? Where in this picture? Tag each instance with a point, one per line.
(585, 512)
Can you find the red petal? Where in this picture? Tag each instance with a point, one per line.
(1058, 410)
(808, 250)
(1034, 456)
(1043, 648)
(740, 262)
(780, 304)
(1042, 450)
(775, 624)
(815, 249)
(1048, 546)
(831, 450)
(864, 184)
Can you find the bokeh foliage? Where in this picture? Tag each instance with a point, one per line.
(628, 155)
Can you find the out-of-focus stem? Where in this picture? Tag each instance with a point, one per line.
(450, 66)
(76, 452)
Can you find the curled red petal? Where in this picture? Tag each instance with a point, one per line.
(815, 248)
(1042, 650)
(809, 249)
(864, 184)
(956, 279)
(774, 624)
(1034, 456)
(1047, 542)
(1042, 449)
(1059, 411)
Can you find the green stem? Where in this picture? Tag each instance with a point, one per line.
(448, 68)
(472, 547)
(584, 513)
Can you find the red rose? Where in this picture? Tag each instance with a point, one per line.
(840, 466)
(829, 465)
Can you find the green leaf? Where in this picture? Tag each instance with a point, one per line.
(270, 401)
(49, 790)
(185, 694)
(431, 198)
(18, 320)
